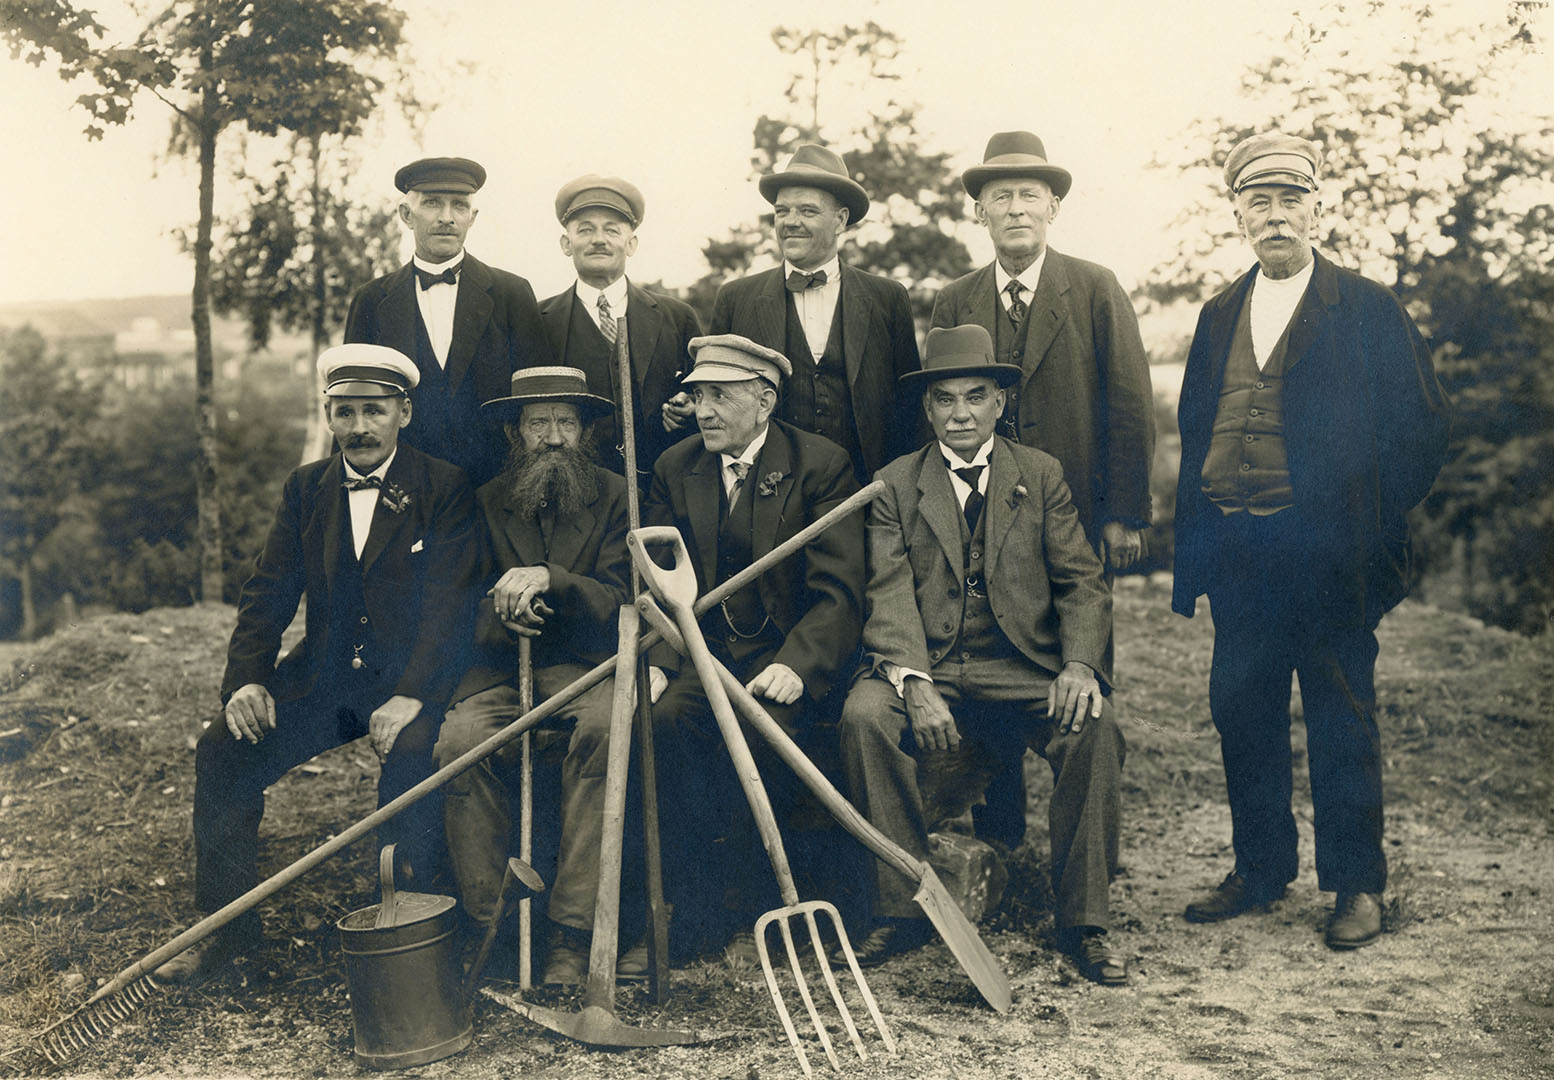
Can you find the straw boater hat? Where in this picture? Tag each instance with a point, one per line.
(610, 192)
(732, 358)
(448, 175)
(539, 385)
(957, 353)
(1012, 155)
(812, 165)
(1273, 158)
(362, 370)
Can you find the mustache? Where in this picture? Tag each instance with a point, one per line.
(362, 442)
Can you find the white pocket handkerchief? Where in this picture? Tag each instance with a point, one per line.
(417, 546)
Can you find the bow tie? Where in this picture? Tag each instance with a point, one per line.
(798, 280)
(357, 483)
(449, 276)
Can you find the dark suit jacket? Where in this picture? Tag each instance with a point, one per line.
(879, 341)
(416, 575)
(815, 597)
(1043, 581)
(1085, 396)
(589, 580)
(496, 330)
(658, 329)
(1366, 426)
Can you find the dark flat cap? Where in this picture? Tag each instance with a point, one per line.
(1273, 158)
(610, 192)
(812, 165)
(1012, 155)
(455, 175)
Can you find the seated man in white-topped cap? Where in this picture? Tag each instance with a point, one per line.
(380, 540)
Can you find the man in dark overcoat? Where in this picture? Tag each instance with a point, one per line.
(986, 635)
(380, 541)
(848, 335)
(599, 216)
(1311, 423)
(737, 490)
(467, 326)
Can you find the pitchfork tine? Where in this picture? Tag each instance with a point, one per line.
(836, 991)
(800, 981)
(777, 1002)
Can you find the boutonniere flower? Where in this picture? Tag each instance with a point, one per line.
(769, 482)
(1018, 494)
(394, 498)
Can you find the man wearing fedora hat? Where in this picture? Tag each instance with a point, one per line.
(380, 539)
(555, 570)
(1083, 395)
(1311, 423)
(848, 335)
(467, 326)
(986, 635)
(739, 489)
(599, 217)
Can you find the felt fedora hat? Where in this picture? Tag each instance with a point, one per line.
(550, 384)
(959, 352)
(812, 165)
(1011, 155)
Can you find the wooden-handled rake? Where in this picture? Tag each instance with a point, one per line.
(676, 587)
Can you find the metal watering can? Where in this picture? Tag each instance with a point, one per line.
(410, 1003)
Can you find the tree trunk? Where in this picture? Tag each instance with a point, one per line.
(316, 443)
(29, 604)
(209, 509)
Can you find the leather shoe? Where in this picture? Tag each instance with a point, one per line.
(567, 962)
(741, 952)
(1356, 920)
(1234, 896)
(889, 938)
(1097, 961)
(633, 964)
(200, 961)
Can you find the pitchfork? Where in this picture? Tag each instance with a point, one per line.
(676, 587)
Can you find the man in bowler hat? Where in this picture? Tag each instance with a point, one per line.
(1311, 423)
(986, 635)
(848, 335)
(467, 326)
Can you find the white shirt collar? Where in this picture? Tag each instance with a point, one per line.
(380, 472)
(980, 458)
(614, 292)
(752, 451)
(437, 268)
(833, 269)
(1029, 278)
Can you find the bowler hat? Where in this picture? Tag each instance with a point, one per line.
(812, 165)
(547, 385)
(960, 352)
(610, 192)
(1011, 155)
(363, 370)
(452, 175)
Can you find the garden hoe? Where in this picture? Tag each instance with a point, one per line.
(676, 586)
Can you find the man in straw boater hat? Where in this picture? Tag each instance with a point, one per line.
(467, 326)
(555, 570)
(599, 217)
(1311, 423)
(986, 635)
(848, 335)
(741, 488)
(1083, 395)
(380, 539)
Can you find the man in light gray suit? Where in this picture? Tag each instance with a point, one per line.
(986, 634)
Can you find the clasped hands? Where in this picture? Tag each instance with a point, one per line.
(517, 600)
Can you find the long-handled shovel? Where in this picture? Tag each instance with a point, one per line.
(953, 926)
(676, 586)
(597, 1024)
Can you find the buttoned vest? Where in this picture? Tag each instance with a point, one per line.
(978, 637)
(1246, 468)
(739, 627)
(816, 397)
(434, 428)
(590, 350)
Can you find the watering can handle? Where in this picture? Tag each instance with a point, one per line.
(385, 917)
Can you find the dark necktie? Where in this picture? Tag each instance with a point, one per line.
(606, 320)
(1017, 307)
(973, 508)
(449, 276)
(357, 483)
(740, 469)
(798, 280)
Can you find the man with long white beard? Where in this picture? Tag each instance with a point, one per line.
(557, 572)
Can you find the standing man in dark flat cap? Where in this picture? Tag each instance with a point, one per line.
(1084, 396)
(849, 335)
(467, 326)
(599, 216)
(1311, 423)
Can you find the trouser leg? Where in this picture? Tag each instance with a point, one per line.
(1337, 688)
(1084, 815)
(477, 814)
(882, 782)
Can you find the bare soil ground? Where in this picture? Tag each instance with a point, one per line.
(96, 770)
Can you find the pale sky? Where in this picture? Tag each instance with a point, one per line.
(666, 95)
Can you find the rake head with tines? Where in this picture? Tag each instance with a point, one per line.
(93, 1021)
(781, 918)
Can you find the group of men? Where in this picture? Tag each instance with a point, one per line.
(965, 620)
